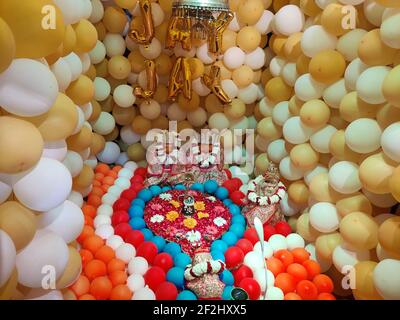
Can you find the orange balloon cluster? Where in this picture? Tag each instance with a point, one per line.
(299, 277)
(103, 275)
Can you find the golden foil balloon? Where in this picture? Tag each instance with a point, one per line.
(216, 29)
(179, 31)
(213, 82)
(148, 35)
(151, 76)
(180, 79)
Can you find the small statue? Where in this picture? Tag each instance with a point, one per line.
(202, 276)
(264, 194)
(188, 206)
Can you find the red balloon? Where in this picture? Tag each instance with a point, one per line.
(251, 235)
(137, 187)
(268, 231)
(237, 197)
(252, 288)
(283, 228)
(147, 250)
(119, 217)
(228, 173)
(122, 229)
(141, 172)
(164, 261)
(135, 238)
(154, 277)
(137, 179)
(245, 245)
(128, 194)
(238, 183)
(121, 204)
(241, 273)
(229, 185)
(233, 257)
(166, 291)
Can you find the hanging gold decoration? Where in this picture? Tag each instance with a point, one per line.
(151, 88)
(216, 29)
(148, 35)
(213, 82)
(179, 31)
(180, 79)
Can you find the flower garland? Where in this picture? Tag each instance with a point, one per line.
(264, 200)
(209, 267)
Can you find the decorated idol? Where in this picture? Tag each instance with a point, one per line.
(263, 196)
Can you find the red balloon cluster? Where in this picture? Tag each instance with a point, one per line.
(234, 257)
(147, 250)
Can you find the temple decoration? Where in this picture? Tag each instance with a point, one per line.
(263, 197)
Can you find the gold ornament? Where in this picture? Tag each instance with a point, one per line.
(147, 37)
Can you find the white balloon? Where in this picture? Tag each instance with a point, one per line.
(56, 150)
(288, 170)
(277, 242)
(343, 256)
(353, 72)
(311, 47)
(66, 220)
(264, 24)
(46, 252)
(276, 150)
(389, 141)
(44, 294)
(343, 177)
(234, 57)
(62, 72)
(135, 282)
(334, 93)
(7, 257)
(76, 197)
(387, 279)
(288, 208)
(324, 217)
(295, 131)
(268, 251)
(22, 96)
(75, 65)
(104, 231)
(125, 252)
(294, 241)
(308, 175)
(110, 153)
(281, 113)
(138, 265)
(45, 187)
(114, 242)
(369, 84)
(264, 279)
(72, 10)
(363, 135)
(253, 260)
(5, 191)
(144, 294)
(288, 20)
(74, 163)
(256, 58)
(306, 88)
(100, 220)
(274, 293)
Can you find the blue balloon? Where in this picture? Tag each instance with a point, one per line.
(136, 211)
(148, 235)
(218, 255)
(180, 187)
(227, 202)
(230, 238)
(210, 186)
(165, 188)
(159, 242)
(219, 245)
(145, 195)
(226, 294)
(197, 186)
(137, 223)
(172, 249)
(237, 229)
(227, 277)
(138, 202)
(222, 193)
(234, 209)
(186, 295)
(182, 260)
(155, 190)
(239, 219)
(176, 276)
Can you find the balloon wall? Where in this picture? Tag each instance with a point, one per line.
(317, 80)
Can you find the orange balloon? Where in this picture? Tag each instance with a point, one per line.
(86, 256)
(87, 231)
(313, 268)
(300, 255)
(81, 286)
(99, 176)
(95, 201)
(87, 297)
(101, 288)
(323, 283)
(88, 221)
(95, 268)
(285, 256)
(326, 296)
(285, 282)
(112, 174)
(108, 180)
(297, 271)
(307, 290)
(114, 265)
(89, 210)
(96, 191)
(292, 296)
(118, 277)
(117, 168)
(105, 254)
(93, 243)
(121, 292)
(275, 266)
(102, 168)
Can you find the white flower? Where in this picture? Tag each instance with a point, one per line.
(263, 201)
(157, 218)
(211, 198)
(251, 186)
(193, 236)
(252, 196)
(219, 221)
(274, 198)
(166, 196)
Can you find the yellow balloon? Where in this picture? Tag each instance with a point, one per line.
(326, 243)
(359, 230)
(249, 11)
(21, 145)
(304, 156)
(391, 86)
(81, 91)
(339, 149)
(321, 190)
(365, 288)
(277, 90)
(136, 152)
(69, 41)
(373, 52)
(8, 290)
(389, 235)
(268, 129)
(295, 105)
(86, 36)
(327, 66)
(315, 113)
(394, 183)
(389, 3)
(72, 270)
(60, 122)
(18, 222)
(352, 108)
(309, 8)
(333, 19)
(80, 141)
(292, 47)
(298, 192)
(7, 45)
(38, 26)
(84, 179)
(356, 202)
(304, 228)
(375, 173)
